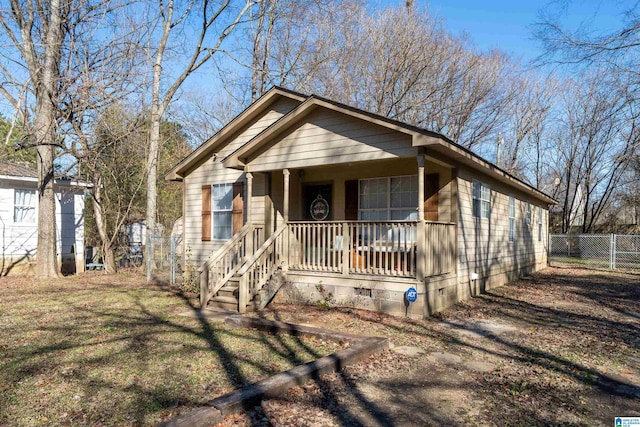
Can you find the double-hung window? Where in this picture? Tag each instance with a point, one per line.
(221, 204)
(24, 206)
(512, 218)
(392, 198)
(481, 200)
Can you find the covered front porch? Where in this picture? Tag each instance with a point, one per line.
(366, 222)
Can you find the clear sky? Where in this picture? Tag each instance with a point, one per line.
(508, 24)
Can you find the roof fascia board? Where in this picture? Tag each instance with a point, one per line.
(476, 162)
(239, 157)
(220, 137)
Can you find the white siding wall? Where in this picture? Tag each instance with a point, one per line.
(212, 172)
(483, 244)
(19, 240)
(327, 137)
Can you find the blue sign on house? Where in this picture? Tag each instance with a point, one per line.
(411, 294)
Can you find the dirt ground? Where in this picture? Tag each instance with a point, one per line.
(559, 348)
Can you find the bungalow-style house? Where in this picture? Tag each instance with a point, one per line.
(19, 220)
(351, 207)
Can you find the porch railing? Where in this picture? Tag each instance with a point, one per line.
(439, 248)
(226, 261)
(386, 248)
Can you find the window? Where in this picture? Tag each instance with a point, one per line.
(24, 206)
(512, 219)
(221, 203)
(394, 198)
(481, 200)
(539, 224)
(528, 214)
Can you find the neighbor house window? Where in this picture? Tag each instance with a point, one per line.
(512, 218)
(24, 206)
(481, 200)
(539, 224)
(527, 217)
(221, 201)
(392, 198)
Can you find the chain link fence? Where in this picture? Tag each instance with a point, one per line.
(164, 260)
(611, 251)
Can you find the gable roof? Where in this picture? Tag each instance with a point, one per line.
(206, 149)
(432, 144)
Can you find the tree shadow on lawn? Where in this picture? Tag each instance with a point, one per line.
(537, 382)
(85, 359)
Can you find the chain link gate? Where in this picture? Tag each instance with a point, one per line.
(612, 251)
(163, 260)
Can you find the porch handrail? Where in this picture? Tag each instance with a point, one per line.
(224, 263)
(260, 266)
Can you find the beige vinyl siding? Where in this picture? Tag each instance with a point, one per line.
(278, 109)
(326, 137)
(483, 244)
(212, 171)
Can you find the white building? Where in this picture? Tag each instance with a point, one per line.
(19, 220)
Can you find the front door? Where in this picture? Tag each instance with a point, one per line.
(318, 202)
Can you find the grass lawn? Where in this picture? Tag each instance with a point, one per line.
(101, 350)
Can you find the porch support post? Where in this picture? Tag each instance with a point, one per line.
(421, 255)
(249, 176)
(250, 243)
(420, 187)
(285, 214)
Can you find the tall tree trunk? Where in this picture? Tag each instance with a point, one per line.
(108, 259)
(152, 170)
(46, 259)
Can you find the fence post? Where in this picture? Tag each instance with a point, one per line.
(172, 255)
(613, 251)
(149, 254)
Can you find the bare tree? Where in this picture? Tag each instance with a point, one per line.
(212, 23)
(399, 62)
(527, 117)
(596, 140)
(37, 39)
(583, 45)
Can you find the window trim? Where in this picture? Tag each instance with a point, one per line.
(474, 196)
(34, 206)
(219, 211)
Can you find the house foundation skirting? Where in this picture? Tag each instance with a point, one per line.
(377, 293)
(387, 294)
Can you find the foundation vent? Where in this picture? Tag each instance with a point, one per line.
(363, 292)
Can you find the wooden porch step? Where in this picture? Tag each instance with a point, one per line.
(226, 302)
(228, 291)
